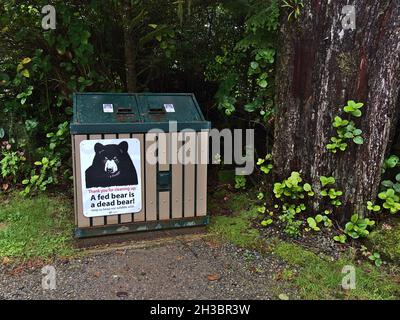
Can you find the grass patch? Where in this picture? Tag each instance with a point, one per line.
(386, 240)
(37, 227)
(314, 276)
(320, 278)
(236, 229)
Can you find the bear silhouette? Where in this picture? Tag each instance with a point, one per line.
(112, 166)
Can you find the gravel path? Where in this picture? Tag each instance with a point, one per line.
(186, 268)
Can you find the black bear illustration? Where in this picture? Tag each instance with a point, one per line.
(112, 166)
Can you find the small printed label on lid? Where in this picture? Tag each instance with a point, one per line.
(169, 107)
(108, 108)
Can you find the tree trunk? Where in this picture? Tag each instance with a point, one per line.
(320, 67)
(130, 49)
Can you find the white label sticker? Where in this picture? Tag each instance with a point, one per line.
(108, 108)
(169, 107)
(111, 177)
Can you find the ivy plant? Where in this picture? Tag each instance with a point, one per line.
(330, 193)
(265, 163)
(376, 258)
(358, 227)
(391, 200)
(346, 129)
(342, 238)
(373, 207)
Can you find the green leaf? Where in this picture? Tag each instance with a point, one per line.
(283, 296)
(266, 223)
(25, 73)
(254, 65)
(250, 107)
(26, 60)
(357, 113)
(263, 83)
(396, 187)
(387, 183)
(311, 222)
(307, 187)
(358, 140)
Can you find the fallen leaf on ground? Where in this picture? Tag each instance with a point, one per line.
(122, 294)
(213, 277)
(283, 296)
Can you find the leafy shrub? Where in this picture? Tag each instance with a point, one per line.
(358, 227)
(346, 129)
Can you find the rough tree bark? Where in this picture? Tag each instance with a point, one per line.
(320, 67)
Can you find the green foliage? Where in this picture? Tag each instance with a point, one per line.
(376, 258)
(390, 163)
(313, 222)
(267, 222)
(39, 227)
(295, 7)
(327, 180)
(318, 276)
(386, 240)
(358, 227)
(265, 164)
(353, 108)
(391, 200)
(330, 193)
(342, 238)
(39, 181)
(240, 182)
(373, 207)
(292, 187)
(346, 129)
(40, 70)
(292, 228)
(10, 164)
(245, 68)
(46, 170)
(236, 229)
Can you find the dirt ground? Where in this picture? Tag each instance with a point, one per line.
(186, 267)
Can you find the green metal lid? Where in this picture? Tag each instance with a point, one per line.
(96, 113)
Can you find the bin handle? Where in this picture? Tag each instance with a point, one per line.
(156, 110)
(122, 110)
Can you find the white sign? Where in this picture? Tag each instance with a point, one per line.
(169, 107)
(111, 177)
(108, 108)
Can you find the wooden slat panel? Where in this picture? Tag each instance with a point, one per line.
(164, 152)
(83, 222)
(125, 218)
(189, 176)
(74, 180)
(202, 159)
(151, 180)
(96, 221)
(164, 205)
(177, 171)
(112, 219)
(139, 216)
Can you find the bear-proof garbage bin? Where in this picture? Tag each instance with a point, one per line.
(139, 162)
